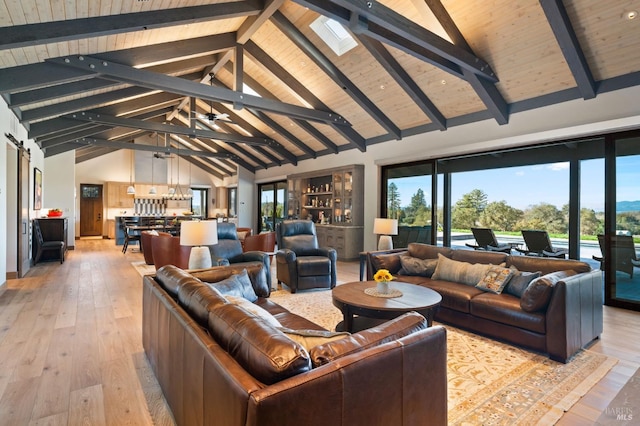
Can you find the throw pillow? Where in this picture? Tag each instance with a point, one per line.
(519, 281)
(537, 294)
(237, 285)
(254, 310)
(459, 272)
(495, 280)
(394, 329)
(312, 338)
(414, 266)
(390, 262)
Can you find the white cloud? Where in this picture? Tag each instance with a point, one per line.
(558, 166)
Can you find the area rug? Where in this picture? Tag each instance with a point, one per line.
(490, 383)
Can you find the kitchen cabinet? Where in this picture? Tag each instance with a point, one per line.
(117, 195)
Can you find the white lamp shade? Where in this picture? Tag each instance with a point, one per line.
(198, 233)
(382, 226)
(131, 190)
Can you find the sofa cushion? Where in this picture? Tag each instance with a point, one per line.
(254, 309)
(537, 294)
(455, 296)
(198, 299)
(479, 256)
(390, 262)
(459, 272)
(262, 350)
(505, 309)
(547, 265)
(427, 251)
(416, 266)
(236, 285)
(171, 278)
(312, 338)
(310, 266)
(391, 330)
(519, 282)
(495, 279)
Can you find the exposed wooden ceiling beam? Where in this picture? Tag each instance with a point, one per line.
(570, 46)
(45, 74)
(486, 90)
(92, 117)
(404, 80)
(304, 44)
(177, 85)
(253, 23)
(75, 29)
(151, 148)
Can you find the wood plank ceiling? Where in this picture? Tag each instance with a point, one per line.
(98, 76)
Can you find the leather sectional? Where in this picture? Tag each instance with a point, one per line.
(221, 363)
(559, 316)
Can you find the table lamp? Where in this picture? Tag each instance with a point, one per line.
(385, 228)
(199, 235)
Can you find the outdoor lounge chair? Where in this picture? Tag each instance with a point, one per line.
(623, 250)
(486, 240)
(539, 244)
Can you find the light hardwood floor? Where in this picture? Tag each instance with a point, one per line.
(71, 349)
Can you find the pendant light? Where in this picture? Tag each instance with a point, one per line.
(131, 190)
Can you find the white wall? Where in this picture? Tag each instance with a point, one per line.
(59, 190)
(8, 248)
(608, 112)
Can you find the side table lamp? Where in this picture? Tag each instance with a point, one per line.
(385, 228)
(199, 235)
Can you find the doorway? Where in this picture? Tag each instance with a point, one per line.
(272, 204)
(90, 210)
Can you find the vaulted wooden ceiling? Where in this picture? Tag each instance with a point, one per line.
(96, 75)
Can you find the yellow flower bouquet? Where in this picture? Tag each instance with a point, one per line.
(382, 278)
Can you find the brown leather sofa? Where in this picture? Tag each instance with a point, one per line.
(557, 318)
(218, 364)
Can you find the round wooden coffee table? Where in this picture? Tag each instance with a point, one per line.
(351, 299)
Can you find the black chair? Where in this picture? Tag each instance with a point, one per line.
(411, 234)
(539, 244)
(228, 250)
(623, 250)
(130, 234)
(300, 262)
(43, 245)
(486, 240)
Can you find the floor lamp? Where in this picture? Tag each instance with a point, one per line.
(199, 235)
(385, 228)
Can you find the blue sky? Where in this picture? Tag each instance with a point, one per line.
(524, 186)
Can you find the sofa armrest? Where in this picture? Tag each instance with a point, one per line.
(373, 255)
(574, 315)
(396, 392)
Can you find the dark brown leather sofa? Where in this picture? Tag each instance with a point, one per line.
(218, 364)
(571, 318)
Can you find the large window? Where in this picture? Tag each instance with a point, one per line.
(584, 193)
(272, 204)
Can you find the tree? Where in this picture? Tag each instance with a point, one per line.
(500, 216)
(589, 223)
(416, 208)
(393, 202)
(466, 212)
(544, 216)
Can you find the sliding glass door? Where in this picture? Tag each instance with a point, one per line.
(272, 204)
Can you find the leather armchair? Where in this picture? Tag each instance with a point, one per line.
(168, 251)
(229, 250)
(300, 262)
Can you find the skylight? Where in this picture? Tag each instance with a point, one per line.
(334, 35)
(249, 91)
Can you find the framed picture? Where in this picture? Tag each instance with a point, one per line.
(37, 189)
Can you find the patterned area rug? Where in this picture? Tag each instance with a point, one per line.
(490, 383)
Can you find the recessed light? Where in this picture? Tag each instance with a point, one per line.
(382, 87)
(443, 82)
(631, 14)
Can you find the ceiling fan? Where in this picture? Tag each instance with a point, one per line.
(211, 116)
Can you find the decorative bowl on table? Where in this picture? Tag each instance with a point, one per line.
(54, 213)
